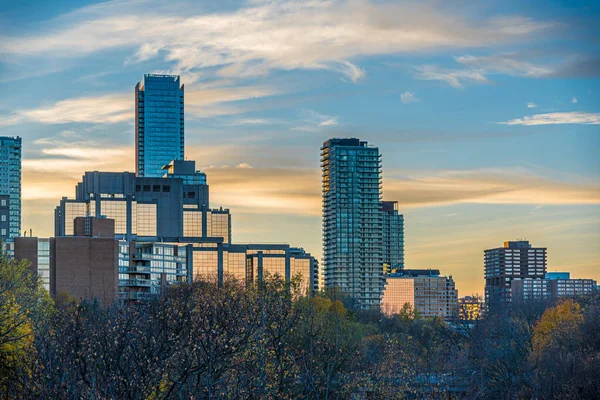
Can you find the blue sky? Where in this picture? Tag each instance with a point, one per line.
(487, 115)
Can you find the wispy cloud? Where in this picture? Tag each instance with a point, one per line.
(478, 69)
(453, 77)
(507, 64)
(409, 97)
(312, 121)
(557, 118)
(489, 186)
(531, 105)
(574, 100)
(201, 102)
(111, 108)
(262, 36)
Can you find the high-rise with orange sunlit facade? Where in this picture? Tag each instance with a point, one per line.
(159, 123)
(352, 219)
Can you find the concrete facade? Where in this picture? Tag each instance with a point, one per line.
(432, 295)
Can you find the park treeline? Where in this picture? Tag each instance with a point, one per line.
(200, 341)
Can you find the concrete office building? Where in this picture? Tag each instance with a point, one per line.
(168, 234)
(553, 286)
(84, 265)
(149, 209)
(517, 260)
(352, 219)
(159, 123)
(430, 293)
(393, 236)
(10, 187)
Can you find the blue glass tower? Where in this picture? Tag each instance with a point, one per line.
(10, 187)
(159, 124)
(393, 236)
(352, 219)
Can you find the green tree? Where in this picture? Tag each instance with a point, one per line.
(24, 303)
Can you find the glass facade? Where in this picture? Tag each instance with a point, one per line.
(393, 236)
(10, 187)
(73, 210)
(398, 292)
(146, 219)
(145, 268)
(301, 267)
(192, 223)
(150, 208)
(220, 225)
(159, 120)
(43, 261)
(352, 220)
(117, 210)
(206, 263)
(236, 265)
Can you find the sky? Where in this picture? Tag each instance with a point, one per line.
(487, 114)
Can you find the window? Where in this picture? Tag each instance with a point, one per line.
(166, 188)
(191, 195)
(146, 188)
(3, 203)
(138, 188)
(3, 232)
(146, 219)
(156, 188)
(3, 218)
(192, 223)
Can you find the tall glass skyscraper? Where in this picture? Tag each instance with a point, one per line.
(352, 219)
(159, 123)
(10, 187)
(393, 236)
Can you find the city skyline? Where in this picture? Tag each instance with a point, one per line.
(486, 136)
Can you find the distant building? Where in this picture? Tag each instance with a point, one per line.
(431, 294)
(398, 291)
(159, 123)
(168, 234)
(147, 208)
(515, 261)
(553, 286)
(84, 265)
(558, 275)
(393, 236)
(10, 187)
(470, 308)
(352, 220)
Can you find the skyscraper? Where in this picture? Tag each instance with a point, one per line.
(159, 124)
(515, 261)
(352, 232)
(393, 236)
(10, 187)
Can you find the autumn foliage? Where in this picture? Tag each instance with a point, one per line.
(204, 341)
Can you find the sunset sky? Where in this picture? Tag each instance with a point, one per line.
(487, 115)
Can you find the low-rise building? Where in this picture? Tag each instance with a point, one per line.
(84, 265)
(430, 293)
(470, 308)
(553, 286)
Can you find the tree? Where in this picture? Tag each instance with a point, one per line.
(23, 303)
(566, 357)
